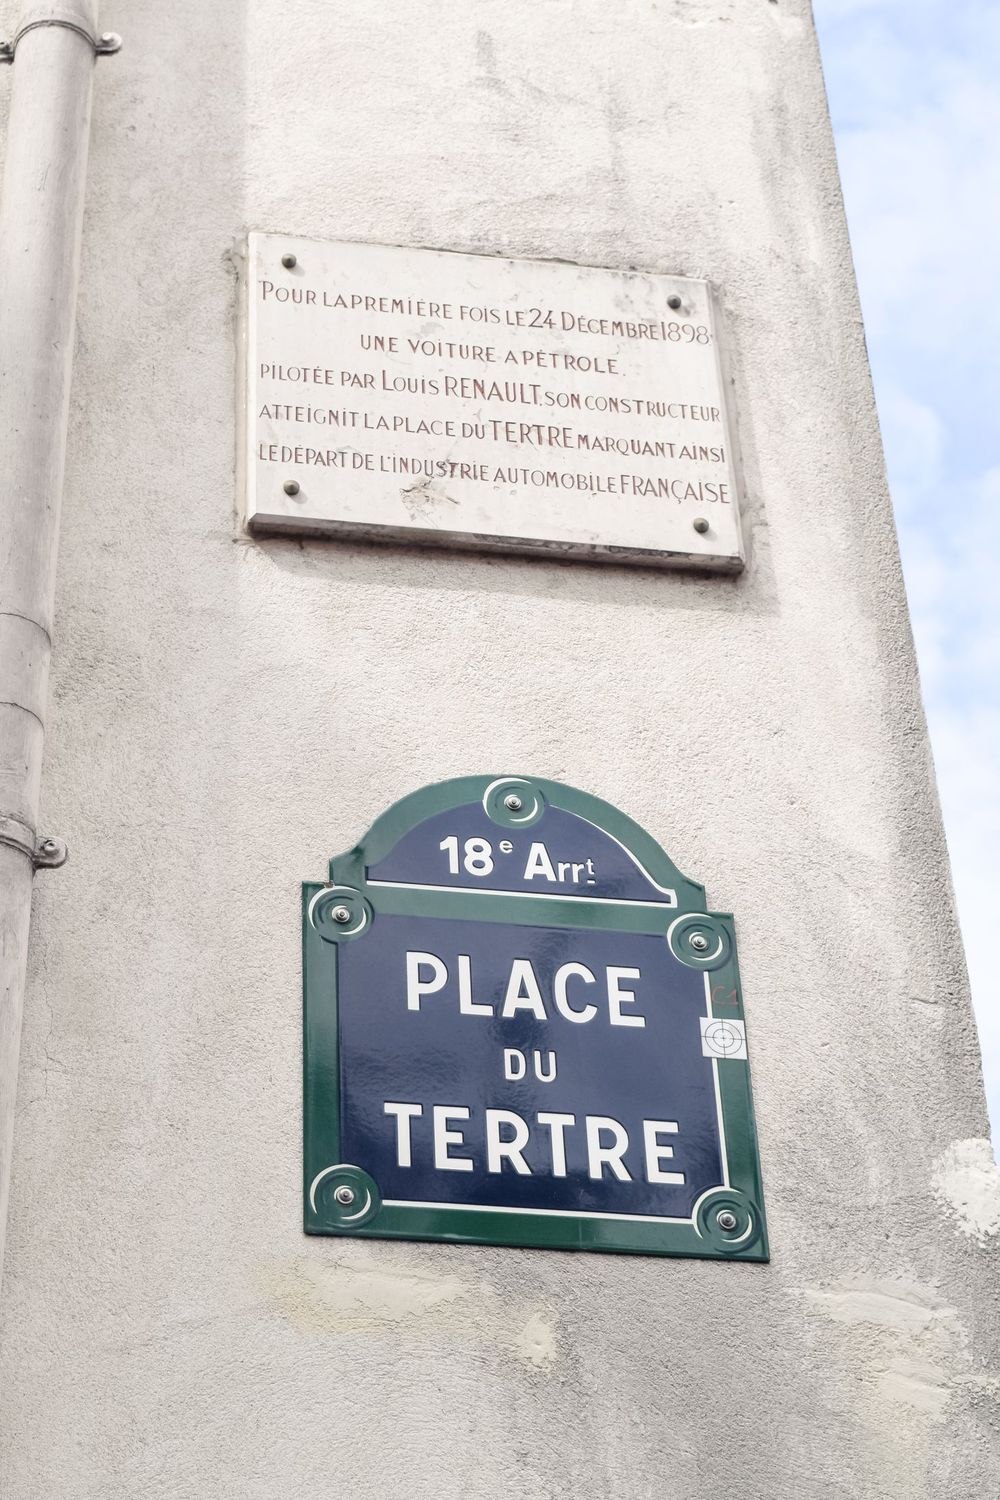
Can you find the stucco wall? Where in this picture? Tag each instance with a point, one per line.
(228, 713)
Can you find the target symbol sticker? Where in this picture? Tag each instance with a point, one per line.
(723, 1038)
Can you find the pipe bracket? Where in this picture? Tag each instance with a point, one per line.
(44, 851)
(103, 45)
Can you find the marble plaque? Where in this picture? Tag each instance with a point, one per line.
(472, 401)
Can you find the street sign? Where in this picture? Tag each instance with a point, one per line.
(522, 1027)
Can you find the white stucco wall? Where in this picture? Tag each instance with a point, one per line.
(228, 713)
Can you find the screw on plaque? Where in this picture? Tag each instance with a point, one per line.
(513, 803)
(291, 486)
(726, 1220)
(674, 302)
(341, 914)
(699, 942)
(700, 524)
(289, 261)
(344, 1195)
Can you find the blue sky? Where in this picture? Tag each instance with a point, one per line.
(916, 112)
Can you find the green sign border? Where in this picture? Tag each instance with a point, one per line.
(341, 1199)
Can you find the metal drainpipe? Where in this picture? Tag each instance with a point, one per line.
(41, 212)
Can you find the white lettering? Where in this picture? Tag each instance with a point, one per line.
(618, 997)
(515, 1064)
(416, 987)
(563, 1006)
(404, 1114)
(498, 1150)
(655, 1152)
(557, 1124)
(522, 991)
(540, 1073)
(466, 1005)
(443, 1138)
(599, 1156)
(539, 863)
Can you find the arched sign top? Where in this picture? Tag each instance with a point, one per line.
(524, 836)
(523, 1027)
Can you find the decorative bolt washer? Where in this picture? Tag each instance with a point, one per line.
(513, 802)
(291, 486)
(674, 302)
(700, 525)
(725, 1218)
(289, 261)
(345, 1195)
(699, 942)
(341, 914)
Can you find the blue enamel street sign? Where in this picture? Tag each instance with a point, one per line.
(523, 1028)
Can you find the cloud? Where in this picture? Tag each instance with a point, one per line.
(917, 119)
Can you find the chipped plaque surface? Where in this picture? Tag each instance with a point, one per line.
(473, 401)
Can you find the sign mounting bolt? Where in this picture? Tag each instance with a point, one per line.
(341, 914)
(344, 1195)
(700, 525)
(291, 486)
(289, 261)
(699, 942)
(513, 802)
(674, 302)
(725, 1219)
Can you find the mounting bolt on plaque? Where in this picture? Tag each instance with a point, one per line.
(289, 261)
(513, 803)
(699, 941)
(674, 302)
(725, 1219)
(345, 1196)
(341, 914)
(291, 487)
(699, 523)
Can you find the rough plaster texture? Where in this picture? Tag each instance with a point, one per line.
(227, 713)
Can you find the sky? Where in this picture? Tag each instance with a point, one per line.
(916, 114)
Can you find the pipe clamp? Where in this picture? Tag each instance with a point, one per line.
(103, 45)
(44, 851)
